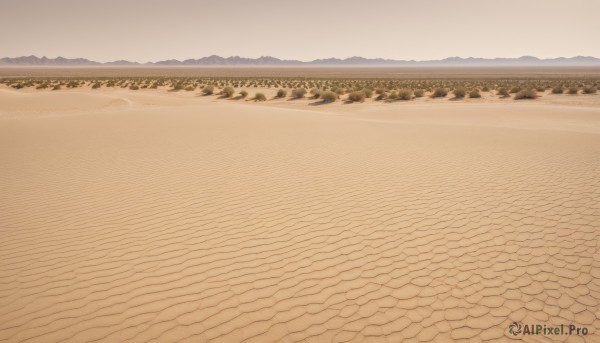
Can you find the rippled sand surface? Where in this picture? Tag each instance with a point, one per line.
(126, 219)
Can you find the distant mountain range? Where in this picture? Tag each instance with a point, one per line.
(272, 61)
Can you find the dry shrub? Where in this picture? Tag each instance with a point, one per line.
(558, 90)
(439, 93)
(316, 93)
(405, 94)
(243, 94)
(208, 90)
(573, 90)
(329, 96)
(282, 93)
(298, 93)
(503, 92)
(260, 97)
(357, 96)
(589, 90)
(526, 94)
(419, 93)
(474, 94)
(227, 92)
(459, 92)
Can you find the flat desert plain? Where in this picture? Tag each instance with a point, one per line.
(156, 216)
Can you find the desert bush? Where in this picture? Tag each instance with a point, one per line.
(368, 92)
(227, 92)
(573, 90)
(439, 93)
(526, 94)
(298, 93)
(515, 90)
(558, 90)
(56, 87)
(405, 94)
(503, 92)
(282, 93)
(316, 93)
(190, 88)
(485, 89)
(134, 87)
(208, 90)
(474, 94)
(329, 96)
(393, 95)
(243, 94)
(357, 96)
(260, 97)
(340, 91)
(589, 90)
(459, 92)
(153, 86)
(419, 93)
(96, 85)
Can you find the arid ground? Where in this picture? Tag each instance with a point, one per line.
(160, 216)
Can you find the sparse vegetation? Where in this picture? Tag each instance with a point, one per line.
(260, 97)
(352, 90)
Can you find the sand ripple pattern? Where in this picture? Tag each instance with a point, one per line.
(259, 225)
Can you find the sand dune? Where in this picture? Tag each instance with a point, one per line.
(145, 218)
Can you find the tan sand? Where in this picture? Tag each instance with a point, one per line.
(168, 217)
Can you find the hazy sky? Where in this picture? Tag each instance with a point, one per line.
(150, 30)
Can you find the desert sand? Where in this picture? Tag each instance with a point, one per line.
(152, 216)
